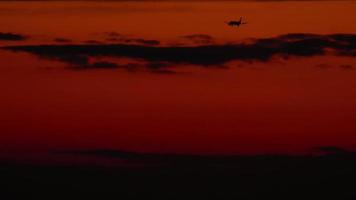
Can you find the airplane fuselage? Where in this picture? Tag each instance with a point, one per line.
(234, 23)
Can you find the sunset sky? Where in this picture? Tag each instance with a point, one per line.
(172, 77)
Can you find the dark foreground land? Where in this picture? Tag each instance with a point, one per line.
(329, 176)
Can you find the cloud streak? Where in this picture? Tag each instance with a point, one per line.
(124, 39)
(199, 38)
(12, 37)
(62, 40)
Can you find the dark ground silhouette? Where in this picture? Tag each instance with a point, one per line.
(329, 175)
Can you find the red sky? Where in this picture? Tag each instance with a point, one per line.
(283, 106)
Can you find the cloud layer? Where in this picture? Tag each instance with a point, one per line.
(263, 50)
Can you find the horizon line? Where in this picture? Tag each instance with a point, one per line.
(177, 0)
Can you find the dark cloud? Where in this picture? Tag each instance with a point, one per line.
(298, 36)
(158, 65)
(161, 57)
(134, 41)
(93, 42)
(73, 60)
(124, 39)
(143, 41)
(82, 62)
(12, 37)
(163, 71)
(327, 66)
(199, 38)
(62, 40)
(104, 64)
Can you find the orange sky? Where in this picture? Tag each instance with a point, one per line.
(167, 21)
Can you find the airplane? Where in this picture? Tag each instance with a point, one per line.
(236, 23)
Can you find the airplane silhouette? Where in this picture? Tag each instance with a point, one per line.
(236, 23)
